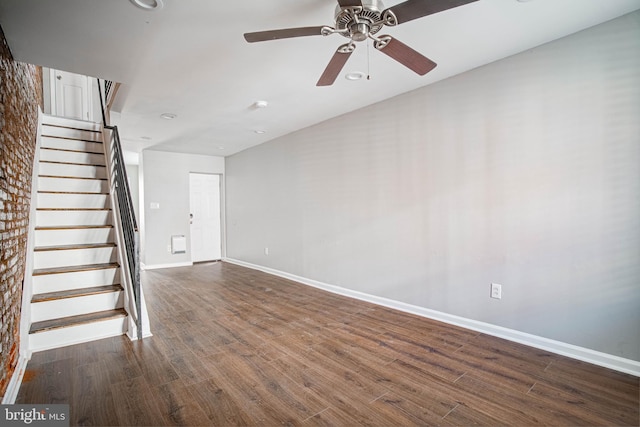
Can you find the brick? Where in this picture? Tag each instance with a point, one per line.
(20, 95)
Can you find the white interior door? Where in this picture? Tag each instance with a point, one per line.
(204, 201)
(70, 95)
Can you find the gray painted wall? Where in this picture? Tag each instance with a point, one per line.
(523, 172)
(166, 182)
(134, 186)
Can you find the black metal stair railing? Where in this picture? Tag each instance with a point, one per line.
(125, 204)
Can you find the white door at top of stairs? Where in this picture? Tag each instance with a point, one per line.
(70, 95)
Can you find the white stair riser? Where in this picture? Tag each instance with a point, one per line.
(72, 144)
(63, 218)
(55, 309)
(77, 334)
(71, 123)
(76, 280)
(74, 171)
(71, 157)
(74, 236)
(59, 132)
(71, 257)
(72, 201)
(68, 184)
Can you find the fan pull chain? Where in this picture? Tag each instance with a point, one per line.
(368, 60)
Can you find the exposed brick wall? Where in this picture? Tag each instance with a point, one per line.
(20, 95)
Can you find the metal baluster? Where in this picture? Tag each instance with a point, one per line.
(127, 213)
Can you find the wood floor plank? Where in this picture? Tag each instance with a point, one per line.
(423, 388)
(220, 408)
(92, 402)
(510, 408)
(238, 347)
(48, 383)
(435, 361)
(238, 378)
(158, 371)
(463, 415)
(137, 404)
(615, 384)
(408, 410)
(331, 418)
(577, 411)
(189, 367)
(118, 358)
(178, 405)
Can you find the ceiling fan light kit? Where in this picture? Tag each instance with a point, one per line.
(355, 75)
(359, 20)
(148, 5)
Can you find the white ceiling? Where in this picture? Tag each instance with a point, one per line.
(190, 59)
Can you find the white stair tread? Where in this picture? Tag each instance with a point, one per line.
(62, 217)
(74, 268)
(50, 169)
(73, 293)
(70, 133)
(80, 305)
(79, 246)
(72, 200)
(73, 184)
(48, 119)
(47, 283)
(65, 322)
(79, 333)
(72, 144)
(71, 157)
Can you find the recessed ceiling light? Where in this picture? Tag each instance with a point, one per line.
(148, 4)
(260, 104)
(260, 131)
(220, 148)
(168, 116)
(146, 138)
(356, 75)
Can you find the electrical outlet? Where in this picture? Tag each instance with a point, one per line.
(266, 251)
(496, 291)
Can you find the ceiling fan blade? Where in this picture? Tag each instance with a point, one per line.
(350, 3)
(336, 64)
(286, 33)
(404, 55)
(414, 9)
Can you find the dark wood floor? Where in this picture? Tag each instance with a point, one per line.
(233, 346)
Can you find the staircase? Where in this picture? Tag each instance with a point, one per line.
(77, 295)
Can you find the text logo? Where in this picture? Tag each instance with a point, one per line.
(34, 415)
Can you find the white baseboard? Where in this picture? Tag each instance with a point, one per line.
(13, 388)
(159, 266)
(580, 353)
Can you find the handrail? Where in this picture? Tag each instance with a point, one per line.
(128, 221)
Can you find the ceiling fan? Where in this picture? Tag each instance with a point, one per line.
(359, 20)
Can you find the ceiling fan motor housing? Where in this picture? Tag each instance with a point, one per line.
(358, 21)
